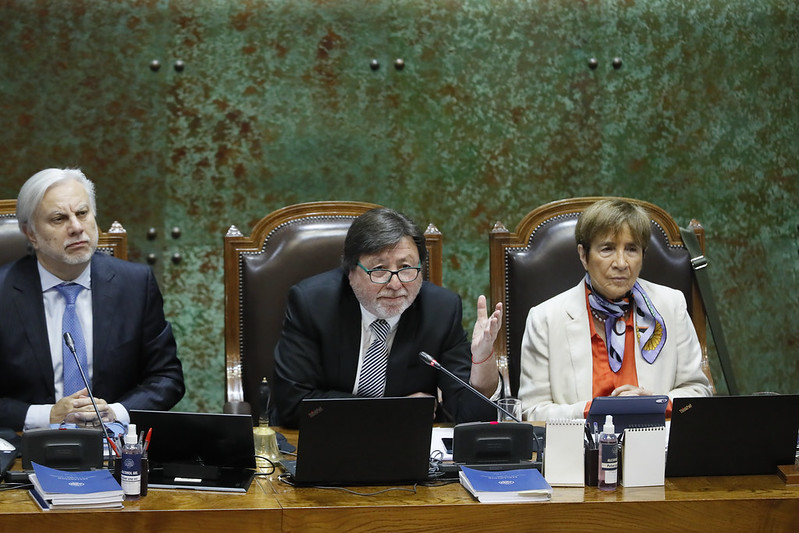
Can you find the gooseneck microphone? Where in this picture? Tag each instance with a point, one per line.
(428, 360)
(71, 345)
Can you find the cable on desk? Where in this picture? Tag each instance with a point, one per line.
(269, 473)
(15, 486)
(434, 469)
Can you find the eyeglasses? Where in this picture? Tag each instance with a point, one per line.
(383, 276)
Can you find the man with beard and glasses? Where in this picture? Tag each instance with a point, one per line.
(112, 309)
(358, 330)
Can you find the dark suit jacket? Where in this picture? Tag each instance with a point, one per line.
(317, 354)
(135, 356)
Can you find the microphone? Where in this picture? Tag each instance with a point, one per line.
(428, 360)
(71, 345)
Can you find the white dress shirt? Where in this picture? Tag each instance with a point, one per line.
(38, 416)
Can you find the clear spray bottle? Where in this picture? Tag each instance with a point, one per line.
(131, 465)
(608, 456)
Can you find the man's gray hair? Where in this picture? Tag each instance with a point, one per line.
(32, 192)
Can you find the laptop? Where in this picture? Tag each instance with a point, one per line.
(363, 441)
(628, 411)
(200, 451)
(8, 450)
(732, 435)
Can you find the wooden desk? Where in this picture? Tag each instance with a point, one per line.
(751, 503)
(741, 503)
(160, 511)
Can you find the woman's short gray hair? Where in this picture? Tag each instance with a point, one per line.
(610, 216)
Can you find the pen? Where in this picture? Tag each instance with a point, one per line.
(596, 435)
(589, 437)
(147, 440)
(113, 447)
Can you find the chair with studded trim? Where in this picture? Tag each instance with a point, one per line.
(285, 247)
(539, 260)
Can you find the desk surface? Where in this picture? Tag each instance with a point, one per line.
(750, 503)
(257, 510)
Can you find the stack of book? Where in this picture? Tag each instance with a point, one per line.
(59, 489)
(506, 486)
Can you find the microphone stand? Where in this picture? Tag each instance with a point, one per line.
(428, 359)
(71, 345)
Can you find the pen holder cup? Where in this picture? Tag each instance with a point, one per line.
(591, 467)
(118, 469)
(145, 474)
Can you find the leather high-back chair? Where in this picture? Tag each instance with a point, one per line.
(540, 260)
(13, 244)
(285, 247)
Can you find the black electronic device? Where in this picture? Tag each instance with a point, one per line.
(7, 458)
(8, 452)
(503, 445)
(495, 443)
(628, 411)
(732, 435)
(9, 449)
(65, 449)
(363, 441)
(201, 451)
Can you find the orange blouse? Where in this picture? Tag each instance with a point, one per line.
(603, 378)
(606, 380)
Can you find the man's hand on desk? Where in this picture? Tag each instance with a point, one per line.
(77, 409)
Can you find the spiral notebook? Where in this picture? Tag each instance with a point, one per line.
(564, 453)
(643, 456)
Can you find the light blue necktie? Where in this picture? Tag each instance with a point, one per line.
(71, 324)
(372, 381)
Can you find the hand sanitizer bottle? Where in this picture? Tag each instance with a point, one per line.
(608, 456)
(131, 465)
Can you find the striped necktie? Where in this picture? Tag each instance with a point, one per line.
(73, 382)
(372, 381)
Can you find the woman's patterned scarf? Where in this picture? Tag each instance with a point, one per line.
(651, 328)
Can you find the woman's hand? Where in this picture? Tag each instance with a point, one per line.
(630, 390)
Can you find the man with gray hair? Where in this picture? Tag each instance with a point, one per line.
(112, 310)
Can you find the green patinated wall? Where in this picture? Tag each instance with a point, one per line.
(495, 112)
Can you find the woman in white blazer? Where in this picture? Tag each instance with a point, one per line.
(613, 334)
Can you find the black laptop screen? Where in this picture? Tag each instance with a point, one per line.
(732, 435)
(208, 439)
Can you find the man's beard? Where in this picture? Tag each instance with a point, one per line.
(384, 310)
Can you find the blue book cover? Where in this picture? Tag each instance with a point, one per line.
(53, 481)
(526, 484)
